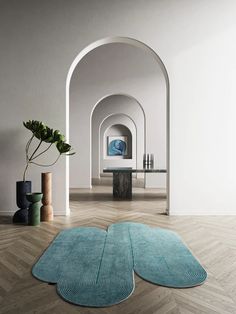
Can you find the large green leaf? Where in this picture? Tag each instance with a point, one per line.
(48, 135)
(63, 147)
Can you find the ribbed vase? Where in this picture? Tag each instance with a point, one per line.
(34, 208)
(46, 209)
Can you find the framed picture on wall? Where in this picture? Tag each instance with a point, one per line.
(117, 145)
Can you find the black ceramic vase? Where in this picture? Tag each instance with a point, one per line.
(21, 215)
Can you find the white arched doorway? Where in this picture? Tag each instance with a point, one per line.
(120, 108)
(160, 65)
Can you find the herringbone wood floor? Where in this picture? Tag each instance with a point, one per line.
(211, 239)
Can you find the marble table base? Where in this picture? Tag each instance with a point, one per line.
(122, 185)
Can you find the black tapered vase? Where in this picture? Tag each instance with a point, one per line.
(21, 215)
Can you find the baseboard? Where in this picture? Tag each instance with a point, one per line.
(201, 212)
(11, 213)
(107, 181)
(60, 214)
(82, 187)
(172, 213)
(7, 213)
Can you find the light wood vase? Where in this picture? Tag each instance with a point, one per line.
(46, 209)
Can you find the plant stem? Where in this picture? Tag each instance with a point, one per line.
(40, 142)
(27, 156)
(42, 165)
(27, 165)
(28, 159)
(27, 147)
(42, 152)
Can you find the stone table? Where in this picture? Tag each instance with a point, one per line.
(122, 180)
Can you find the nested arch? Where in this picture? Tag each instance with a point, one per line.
(80, 56)
(117, 109)
(111, 135)
(126, 127)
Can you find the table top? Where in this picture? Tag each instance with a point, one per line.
(134, 170)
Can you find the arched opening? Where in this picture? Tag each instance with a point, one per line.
(117, 143)
(117, 109)
(149, 52)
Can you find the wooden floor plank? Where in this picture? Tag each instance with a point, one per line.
(211, 239)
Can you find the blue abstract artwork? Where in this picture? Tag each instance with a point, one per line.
(117, 146)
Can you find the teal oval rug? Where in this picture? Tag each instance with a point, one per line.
(161, 257)
(94, 267)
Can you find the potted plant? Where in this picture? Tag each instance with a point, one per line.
(43, 135)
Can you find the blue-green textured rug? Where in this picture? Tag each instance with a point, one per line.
(94, 267)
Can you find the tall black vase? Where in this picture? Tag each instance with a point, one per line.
(21, 215)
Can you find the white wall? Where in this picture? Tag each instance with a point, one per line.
(127, 70)
(203, 138)
(195, 39)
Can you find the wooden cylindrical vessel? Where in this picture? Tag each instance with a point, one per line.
(46, 209)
